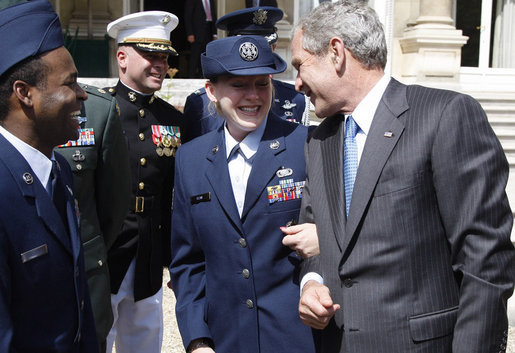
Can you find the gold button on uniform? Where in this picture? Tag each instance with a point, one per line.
(141, 185)
(79, 166)
(100, 263)
(143, 161)
(142, 113)
(141, 136)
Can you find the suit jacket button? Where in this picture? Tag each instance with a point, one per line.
(141, 136)
(242, 242)
(100, 263)
(141, 185)
(348, 282)
(245, 273)
(143, 161)
(249, 303)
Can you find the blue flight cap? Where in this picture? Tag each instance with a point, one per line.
(28, 29)
(240, 56)
(253, 20)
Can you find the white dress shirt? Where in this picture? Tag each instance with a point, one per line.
(239, 166)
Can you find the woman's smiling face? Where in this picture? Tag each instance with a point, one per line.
(244, 101)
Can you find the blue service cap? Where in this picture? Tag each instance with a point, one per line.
(28, 29)
(253, 20)
(240, 56)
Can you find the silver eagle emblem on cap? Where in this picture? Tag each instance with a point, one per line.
(248, 51)
(165, 19)
(260, 16)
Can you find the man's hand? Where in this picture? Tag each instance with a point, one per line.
(191, 38)
(302, 238)
(316, 308)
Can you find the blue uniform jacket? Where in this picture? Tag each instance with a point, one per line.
(44, 301)
(233, 279)
(202, 117)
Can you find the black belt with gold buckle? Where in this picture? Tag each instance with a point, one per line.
(140, 204)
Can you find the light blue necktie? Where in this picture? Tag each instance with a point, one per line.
(350, 159)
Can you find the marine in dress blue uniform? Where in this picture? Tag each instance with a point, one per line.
(288, 103)
(236, 284)
(44, 301)
(153, 130)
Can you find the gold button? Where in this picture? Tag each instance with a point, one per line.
(100, 263)
(142, 113)
(141, 185)
(141, 136)
(143, 161)
(79, 166)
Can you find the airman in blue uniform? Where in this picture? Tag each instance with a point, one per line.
(44, 299)
(288, 104)
(235, 187)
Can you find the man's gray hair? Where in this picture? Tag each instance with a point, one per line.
(354, 22)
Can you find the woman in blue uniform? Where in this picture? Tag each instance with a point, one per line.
(236, 284)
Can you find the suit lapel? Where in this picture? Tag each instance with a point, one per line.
(332, 158)
(217, 173)
(385, 131)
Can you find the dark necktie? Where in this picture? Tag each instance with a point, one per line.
(58, 192)
(234, 152)
(350, 159)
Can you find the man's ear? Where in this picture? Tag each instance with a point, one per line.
(23, 93)
(337, 52)
(122, 57)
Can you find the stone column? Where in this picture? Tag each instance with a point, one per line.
(431, 49)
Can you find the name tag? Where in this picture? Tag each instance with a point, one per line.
(200, 198)
(34, 253)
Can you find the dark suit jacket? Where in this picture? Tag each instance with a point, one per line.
(44, 301)
(424, 262)
(234, 280)
(101, 176)
(203, 117)
(195, 18)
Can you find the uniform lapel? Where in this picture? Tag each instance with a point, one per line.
(217, 174)
(71, 213)
(265, 163)
(385, 131)
(30, 187)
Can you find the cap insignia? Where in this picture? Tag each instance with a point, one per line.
(260, 17)
(248, 51)
(165, 19)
